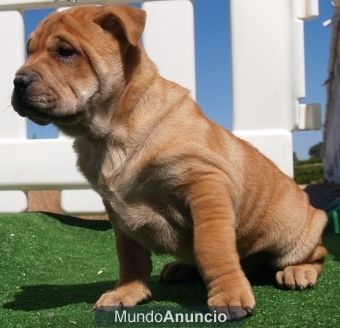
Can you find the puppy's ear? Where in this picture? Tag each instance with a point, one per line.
(123, 21)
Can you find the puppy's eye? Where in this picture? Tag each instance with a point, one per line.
(66, 52)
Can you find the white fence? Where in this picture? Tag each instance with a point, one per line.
(268, 81)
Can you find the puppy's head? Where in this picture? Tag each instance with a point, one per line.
(76, 63)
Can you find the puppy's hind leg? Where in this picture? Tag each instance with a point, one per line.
(304, 275)
(299, 275)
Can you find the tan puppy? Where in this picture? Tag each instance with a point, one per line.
(172, 181)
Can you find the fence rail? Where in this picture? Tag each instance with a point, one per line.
(268, 82)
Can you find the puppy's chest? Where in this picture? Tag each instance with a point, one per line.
(98, 160)
(153, 216)
(150, 212)
(145, 206)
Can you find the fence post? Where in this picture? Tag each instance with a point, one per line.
(169, 40)
(11, 124)
(269, 75)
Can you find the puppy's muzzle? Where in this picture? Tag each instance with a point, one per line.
(29, 98)
(21, 82)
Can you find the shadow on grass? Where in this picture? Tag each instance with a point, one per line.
(332, 243)
(46, 296)
(100, 225)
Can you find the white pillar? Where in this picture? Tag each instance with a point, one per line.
(169, 40)
(269, 74)
(11, 124)
(12, 56)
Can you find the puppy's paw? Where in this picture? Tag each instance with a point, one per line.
(235, 300)
(177, 272)
(298, 277)
(125, 295)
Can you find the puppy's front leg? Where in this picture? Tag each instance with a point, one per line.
(135, 269)
(215, 248)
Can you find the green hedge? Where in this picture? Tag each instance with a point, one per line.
(308, 161)
(308, 173)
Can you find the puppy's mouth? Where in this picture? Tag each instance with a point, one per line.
(44, 115)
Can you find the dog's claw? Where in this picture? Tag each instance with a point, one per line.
(250, 311)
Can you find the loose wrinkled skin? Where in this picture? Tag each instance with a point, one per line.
(172, 181)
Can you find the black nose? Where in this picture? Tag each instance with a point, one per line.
(21, 82)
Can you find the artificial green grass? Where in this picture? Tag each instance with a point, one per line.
(53, 269)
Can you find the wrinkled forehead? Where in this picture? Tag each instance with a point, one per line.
(44, 29)
(68, 24)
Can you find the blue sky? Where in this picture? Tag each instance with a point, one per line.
(213, 65)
